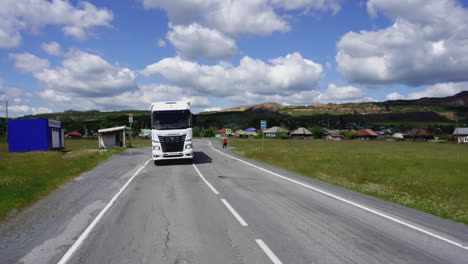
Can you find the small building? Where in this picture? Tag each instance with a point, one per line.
(332, 134)
(35, 134)
(398, 136)
(73, 134)
(461, 134)
(366, 134)
(223, 132)
(301, 133)
(145, 133)
(418, 134)
(114, 137)
(274, 132)
(245, 134)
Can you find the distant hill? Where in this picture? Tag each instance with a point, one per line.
(459, 100)
(424, 112)
(272, 107)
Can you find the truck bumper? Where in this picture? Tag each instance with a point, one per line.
(159, 155)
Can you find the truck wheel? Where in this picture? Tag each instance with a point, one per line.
(157, 163)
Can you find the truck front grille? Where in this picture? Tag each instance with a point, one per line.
(172, 143)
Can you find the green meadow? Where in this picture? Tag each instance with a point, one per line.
(427, 176)
(27, 176)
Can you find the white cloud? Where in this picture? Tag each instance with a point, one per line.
(333, 5)
(427, 44)
(22, 110)
(27, 62)
(395, 96)
(194, 41)
(32, 15)
(87, 75)
(209, 109)
(161, 43)
(441, 90)
(232, 17)
(52, 48)
(137, 99)
(344, 94)
(282, 76)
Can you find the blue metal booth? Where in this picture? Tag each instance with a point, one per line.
(35, 134)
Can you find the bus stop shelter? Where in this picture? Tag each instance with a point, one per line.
(114, 137)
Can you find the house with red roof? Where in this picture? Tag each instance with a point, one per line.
(223, 132)
(366, 134)
(73, 134)
(418, 134)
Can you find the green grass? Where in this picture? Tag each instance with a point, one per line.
(26, 177)
(426, 176)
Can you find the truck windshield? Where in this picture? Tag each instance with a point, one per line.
(163, 120)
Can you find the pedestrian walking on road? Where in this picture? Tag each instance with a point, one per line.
(224, 143)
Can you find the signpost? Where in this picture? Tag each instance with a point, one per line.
(228, 131)
(263, 125)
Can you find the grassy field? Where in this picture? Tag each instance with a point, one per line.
(26, 177)
(426, 176)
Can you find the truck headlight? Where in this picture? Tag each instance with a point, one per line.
(156, 148)
(188, 146)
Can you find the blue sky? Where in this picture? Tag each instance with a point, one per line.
(112, 55)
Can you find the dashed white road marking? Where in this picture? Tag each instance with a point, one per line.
(268, 252)
(203, 178)
(88, 230)
(233, 212)
(370, 210)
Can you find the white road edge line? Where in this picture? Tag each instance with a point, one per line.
(88, 230)
(203, 178)
(460, 245)
(234, 213)
(268, 252)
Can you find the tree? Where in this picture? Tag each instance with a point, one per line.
(317, 132)
(196, 131)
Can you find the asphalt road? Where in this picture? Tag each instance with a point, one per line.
(220, 210)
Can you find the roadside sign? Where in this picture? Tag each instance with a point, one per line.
(130, 119)
(228, 131)
(263, 124)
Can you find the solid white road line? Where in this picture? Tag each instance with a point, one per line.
(233, 212)
(268, 252)
(88, 230)
(429, 233)
(203, 178)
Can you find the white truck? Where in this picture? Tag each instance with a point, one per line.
(171, 133)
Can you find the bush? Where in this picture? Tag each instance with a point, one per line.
(349, 134)
(317, 132)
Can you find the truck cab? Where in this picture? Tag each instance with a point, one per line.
(171, 133)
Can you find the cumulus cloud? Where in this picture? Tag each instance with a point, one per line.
(137, 99)
(395, 96)
(231, 17)
(87, 75)
(426, 44)
(32, 15)
(440, 90)
(27, 62)
(52, 48)
(18, 102)
(194, 41)
(333, 5)
(283, 75)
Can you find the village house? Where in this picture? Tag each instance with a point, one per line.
(301, 133)
(245, 133)
(274, 132)
(222, 132)
(332, 134)
(73, 134)
(366, 134)
(418, 134)
(461, 134)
